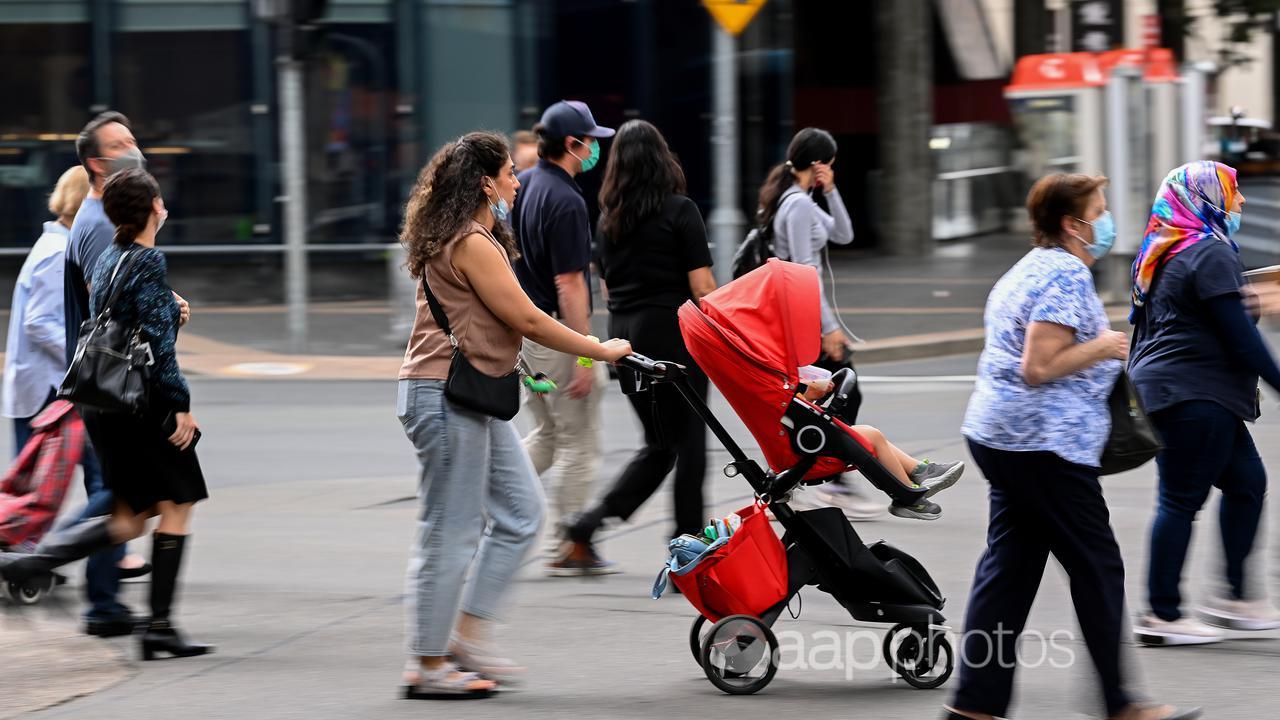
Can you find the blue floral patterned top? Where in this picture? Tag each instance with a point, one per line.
(1067, 416)
(147, 301)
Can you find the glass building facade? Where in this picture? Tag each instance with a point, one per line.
(391, 80)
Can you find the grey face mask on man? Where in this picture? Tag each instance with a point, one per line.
(131, 158)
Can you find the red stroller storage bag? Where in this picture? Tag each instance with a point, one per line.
(745, 576)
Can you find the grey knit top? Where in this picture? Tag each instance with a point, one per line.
(801, 230)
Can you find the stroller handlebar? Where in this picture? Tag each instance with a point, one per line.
(645, 366)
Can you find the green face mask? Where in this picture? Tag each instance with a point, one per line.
(592, 158)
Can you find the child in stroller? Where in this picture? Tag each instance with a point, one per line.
(817, 386)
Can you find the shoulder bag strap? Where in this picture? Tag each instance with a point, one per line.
(437, 310)
(118, 279)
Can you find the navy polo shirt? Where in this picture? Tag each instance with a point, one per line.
(1179, 355)
(554, 234)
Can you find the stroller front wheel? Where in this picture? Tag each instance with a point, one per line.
(695, 638)
(740, 655)
(920, 655)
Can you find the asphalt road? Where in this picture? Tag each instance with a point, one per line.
(297, 564)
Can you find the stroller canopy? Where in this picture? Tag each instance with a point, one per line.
(772, 315)
(750, 337)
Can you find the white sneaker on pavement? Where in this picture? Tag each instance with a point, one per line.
(855, 505)
(1240, 614)
(1151, 630)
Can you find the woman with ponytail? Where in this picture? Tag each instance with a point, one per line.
(148, 461)
(800, 212)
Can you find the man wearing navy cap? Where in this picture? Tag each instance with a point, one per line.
(550, 221)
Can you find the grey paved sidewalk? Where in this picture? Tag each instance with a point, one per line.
(45, 660)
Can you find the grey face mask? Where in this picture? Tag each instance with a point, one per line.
(132, 158)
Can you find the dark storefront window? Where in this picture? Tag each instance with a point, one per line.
(46, 87)
(187, 93)
(353, 181)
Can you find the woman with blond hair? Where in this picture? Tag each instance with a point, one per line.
(36, 351)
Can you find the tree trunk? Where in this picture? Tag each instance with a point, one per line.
(904, 33)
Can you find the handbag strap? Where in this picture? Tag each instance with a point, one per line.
(437, 310)
(117, 281)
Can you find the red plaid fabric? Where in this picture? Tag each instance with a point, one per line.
(32, 491)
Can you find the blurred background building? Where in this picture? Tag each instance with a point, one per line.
(913, 90)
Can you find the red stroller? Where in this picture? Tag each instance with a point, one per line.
(32, 491)
(750, 337)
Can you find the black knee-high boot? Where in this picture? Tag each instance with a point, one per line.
(57, 548)
(161, 636)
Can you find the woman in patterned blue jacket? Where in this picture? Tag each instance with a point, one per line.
(148, 461)
(1036, 425)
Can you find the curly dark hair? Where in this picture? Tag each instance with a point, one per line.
(447, 194)
(128, 199)
(641, 172)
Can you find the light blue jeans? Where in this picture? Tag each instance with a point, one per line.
(482, 507)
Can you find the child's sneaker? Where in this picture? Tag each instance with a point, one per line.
(921, 510)
(936, 477)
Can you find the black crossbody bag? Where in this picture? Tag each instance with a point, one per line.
(497, 397)
(111, 370)
(1133, 439)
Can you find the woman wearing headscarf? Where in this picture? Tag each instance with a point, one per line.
(1196, 362)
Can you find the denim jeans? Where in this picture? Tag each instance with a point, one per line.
(1205, 446)
(482, 507)
(102, 574)
(101, 570)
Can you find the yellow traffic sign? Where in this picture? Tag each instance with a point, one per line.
(733, 15)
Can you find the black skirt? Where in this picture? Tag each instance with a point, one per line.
(139, 464)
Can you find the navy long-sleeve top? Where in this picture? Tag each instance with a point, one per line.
(147, 301)
(1194, 338)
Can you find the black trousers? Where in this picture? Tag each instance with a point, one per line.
(674, 436)
(1040, 505)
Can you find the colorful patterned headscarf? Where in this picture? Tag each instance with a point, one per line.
(1191, 206)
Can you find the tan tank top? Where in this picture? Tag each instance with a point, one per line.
(490, 345)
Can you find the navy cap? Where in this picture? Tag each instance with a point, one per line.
(573, 118)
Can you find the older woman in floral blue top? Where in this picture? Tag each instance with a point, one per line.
(1036, 425)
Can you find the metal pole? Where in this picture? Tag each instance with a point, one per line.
(727, 221)
(293, 160)
(1116, 268)
(1193, 105)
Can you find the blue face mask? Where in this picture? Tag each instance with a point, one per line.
(1233, 222)
(500, 210)
(1104, 235)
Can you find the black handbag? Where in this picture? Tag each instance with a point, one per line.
(1133, 439)
(497, 397)
(111, 370)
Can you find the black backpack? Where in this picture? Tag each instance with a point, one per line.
(754, 252)
(757, 248)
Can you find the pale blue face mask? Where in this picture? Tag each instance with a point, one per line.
(500, 209)
(1231, 219)
(1104, 235)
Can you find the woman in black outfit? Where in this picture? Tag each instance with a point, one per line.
(653, 258)
(147, 461)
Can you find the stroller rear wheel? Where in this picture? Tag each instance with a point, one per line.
(31, 591)
(920, 655)
(740, 655)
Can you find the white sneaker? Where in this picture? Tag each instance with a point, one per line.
(1240, 614)
(854, 504)
(1151, 630)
